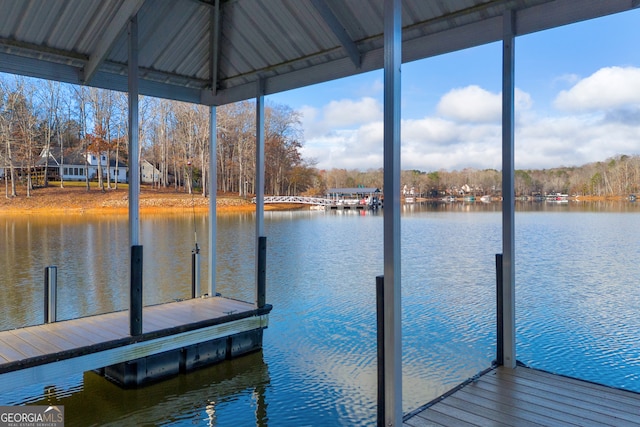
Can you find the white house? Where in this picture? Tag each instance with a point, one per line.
(73, 167)
(149, 174)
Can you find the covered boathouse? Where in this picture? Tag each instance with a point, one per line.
(215, 52)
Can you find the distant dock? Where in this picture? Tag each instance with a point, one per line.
(177, 337)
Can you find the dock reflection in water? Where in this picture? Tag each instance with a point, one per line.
(199, 398)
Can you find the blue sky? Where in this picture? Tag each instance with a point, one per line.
(577, 101)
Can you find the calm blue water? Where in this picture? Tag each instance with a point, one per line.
(577, 298)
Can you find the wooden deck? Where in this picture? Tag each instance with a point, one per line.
(49, 351)
(528, 397)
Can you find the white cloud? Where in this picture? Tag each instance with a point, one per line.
(461, 134)
(610, 87)
(347, 112)
(477, 105)
(470, 104)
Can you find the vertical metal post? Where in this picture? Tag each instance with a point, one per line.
(50, 293)
(259, 176)
(134, 147)
(508, 190)
(380, 340)
(195, 273)
(262, 272)
(392, 282)
(499, 312)
(135, 302)
(135, 294)
(213, 194)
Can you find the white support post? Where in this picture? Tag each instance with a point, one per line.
(135, 292)
(213, 195)
(508, 190)
(392, 282)
(259, 179)
(134, 161)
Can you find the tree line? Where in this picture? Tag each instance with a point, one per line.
(616, 176)
(39, 116)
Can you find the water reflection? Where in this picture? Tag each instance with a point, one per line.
(576, 297)
(230, 393)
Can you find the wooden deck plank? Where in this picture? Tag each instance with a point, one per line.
(526, 396)
(69, 335)
(7, 352)
(520, 401)
(72, 336)
(44, 338)
(441, 419)
(576, 396)
(460, 414)
(558, 409)
(498, 413)
(616, 396)
(24, 347)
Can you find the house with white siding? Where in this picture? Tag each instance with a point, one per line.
(77, 165)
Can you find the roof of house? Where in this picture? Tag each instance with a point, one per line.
(71, 158)
(353, 190)
(220, 51)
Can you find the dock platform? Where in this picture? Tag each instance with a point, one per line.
(176, 337)
(529, 397)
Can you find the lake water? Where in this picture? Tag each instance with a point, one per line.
(577, 298)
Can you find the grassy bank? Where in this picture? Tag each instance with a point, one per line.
(75, 199)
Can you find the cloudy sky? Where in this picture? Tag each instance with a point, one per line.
(577, 101)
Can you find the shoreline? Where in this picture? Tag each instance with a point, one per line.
(76, 200)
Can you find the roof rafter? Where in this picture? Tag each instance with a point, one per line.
(214, 48)
(127, 10)
(338, 30)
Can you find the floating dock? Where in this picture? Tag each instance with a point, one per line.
(176, 337)
(529, 397)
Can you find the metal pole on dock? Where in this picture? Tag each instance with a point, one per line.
(195, 272)
(260, 177)
(213, 189)
(508, 190)
(135, 308)
(261, 299)
(499, 312)
(391, 226)
(380, 336)
(135, 295)
(50, 293)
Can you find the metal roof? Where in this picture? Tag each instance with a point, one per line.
(220, 51)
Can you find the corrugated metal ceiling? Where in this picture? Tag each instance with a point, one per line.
(284, 43)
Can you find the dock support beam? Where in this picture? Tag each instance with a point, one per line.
(259, 180)
(134, 145)
(508, 192)
(213, 197)
(135, 295)
(392, 283)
